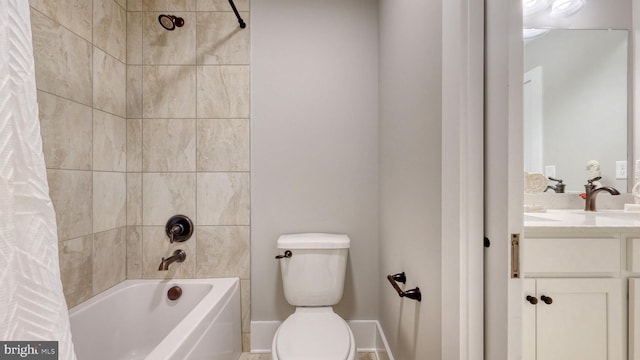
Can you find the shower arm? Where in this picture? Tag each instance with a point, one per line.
(235, 11)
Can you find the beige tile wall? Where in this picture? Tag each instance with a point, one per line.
(139, 124)
(188, 140)
(80, 54)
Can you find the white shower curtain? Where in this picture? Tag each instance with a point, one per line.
(32, 305)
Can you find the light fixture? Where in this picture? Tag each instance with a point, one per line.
(531, 7)
(563, 8)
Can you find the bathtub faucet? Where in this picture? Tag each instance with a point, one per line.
(178, 256)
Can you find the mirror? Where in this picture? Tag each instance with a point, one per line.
(575, 105)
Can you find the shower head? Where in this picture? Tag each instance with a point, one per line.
(170, 22)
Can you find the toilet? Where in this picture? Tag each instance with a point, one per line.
(313, 271)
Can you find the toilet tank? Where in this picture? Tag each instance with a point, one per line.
(314, 274)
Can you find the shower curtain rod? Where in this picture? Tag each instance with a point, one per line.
(235, 11)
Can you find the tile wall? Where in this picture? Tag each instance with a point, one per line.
(139, 124)
(80, 59)
(188, 140)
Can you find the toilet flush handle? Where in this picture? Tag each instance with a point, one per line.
(287, 254)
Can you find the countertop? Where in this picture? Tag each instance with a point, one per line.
(573, 218)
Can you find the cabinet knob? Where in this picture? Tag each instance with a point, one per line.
(532, 299)
(547, 300)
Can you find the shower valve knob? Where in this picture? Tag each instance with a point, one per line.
(179, 228)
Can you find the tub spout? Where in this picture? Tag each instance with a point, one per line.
(178, 256)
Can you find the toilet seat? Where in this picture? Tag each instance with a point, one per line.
(314, 334)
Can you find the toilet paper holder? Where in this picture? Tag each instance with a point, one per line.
(413, 294)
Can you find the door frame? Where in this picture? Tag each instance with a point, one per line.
(503, 176)
(462, 186)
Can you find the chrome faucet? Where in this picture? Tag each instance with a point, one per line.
(178, 256)
(591, 191)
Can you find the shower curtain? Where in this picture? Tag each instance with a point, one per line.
(32, 305)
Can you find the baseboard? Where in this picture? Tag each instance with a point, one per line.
(367, 333)
(383, 352)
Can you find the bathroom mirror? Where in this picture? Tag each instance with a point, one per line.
(576, 105)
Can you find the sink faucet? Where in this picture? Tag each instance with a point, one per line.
(559, 188)
(591, 191)
(178, 256)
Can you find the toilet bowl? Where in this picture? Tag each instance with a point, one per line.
(313, 269)
(314, 334)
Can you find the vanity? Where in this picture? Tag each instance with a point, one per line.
(581, 285)
(580, 271)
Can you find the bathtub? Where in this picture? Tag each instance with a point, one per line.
(136, 320)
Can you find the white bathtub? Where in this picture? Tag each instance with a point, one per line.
(136, 320)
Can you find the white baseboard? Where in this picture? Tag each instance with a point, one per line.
(367, 333)
(383, 352)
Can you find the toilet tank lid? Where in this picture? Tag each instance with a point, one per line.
(314, 241)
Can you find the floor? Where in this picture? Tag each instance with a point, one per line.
(250, 356)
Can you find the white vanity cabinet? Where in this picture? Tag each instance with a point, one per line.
(576, 283)
(573, 319)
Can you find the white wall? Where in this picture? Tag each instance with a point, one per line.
(334, 150)
(410, 173)
(314, 143)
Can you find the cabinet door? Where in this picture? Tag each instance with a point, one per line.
(582, 321)
(529, 319)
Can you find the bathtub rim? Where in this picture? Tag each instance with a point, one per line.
(215, 299)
